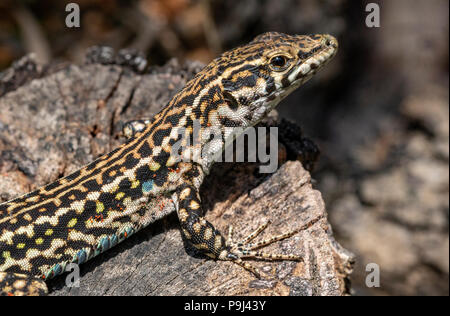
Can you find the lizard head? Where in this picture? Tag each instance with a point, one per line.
(255, 77)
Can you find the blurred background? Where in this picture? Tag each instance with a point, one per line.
(379, 111)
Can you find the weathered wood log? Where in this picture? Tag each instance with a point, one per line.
(53, 120)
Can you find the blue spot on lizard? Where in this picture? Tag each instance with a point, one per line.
(147, 186)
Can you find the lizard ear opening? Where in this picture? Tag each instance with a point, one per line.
(230, 100)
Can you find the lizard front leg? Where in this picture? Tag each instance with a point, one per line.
(210, 241)
(194, 226)
(15, 284)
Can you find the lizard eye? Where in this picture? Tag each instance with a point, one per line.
(279, 63)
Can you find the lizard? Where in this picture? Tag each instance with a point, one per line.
(91, 210)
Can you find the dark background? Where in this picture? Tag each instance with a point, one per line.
(379, 111)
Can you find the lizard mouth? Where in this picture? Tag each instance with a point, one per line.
(307, 68)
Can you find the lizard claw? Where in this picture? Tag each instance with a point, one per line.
(244, 249)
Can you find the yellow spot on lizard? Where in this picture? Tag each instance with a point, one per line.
(72, 222)
(135, 184)
(154, 166)
(114, 189)
(100, 207)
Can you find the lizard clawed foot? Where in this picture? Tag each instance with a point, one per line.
(244, 249)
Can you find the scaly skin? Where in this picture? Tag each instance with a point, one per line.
(93, 209)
